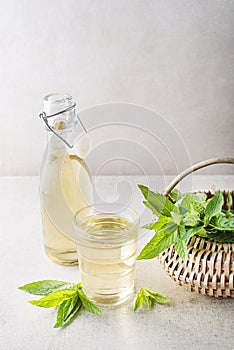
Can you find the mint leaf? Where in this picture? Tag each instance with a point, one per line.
(191, 232)
(187, 201)
(202, 233)
(158, 298)
(161, 241)
(181, 230)
(175, 195)
(45, 287)
(169, 227)
(229, 201)
(139, 300)
(157, 225)
(214, 206)
(181, 248)
(200, 197)
(182, 210)
(54, 299)
(177, 218)
(88, 304)
(197, 202)
(151, 226)
(159, 203)
(191, 218)
(67, 311)
(149, 301)
(152, 208)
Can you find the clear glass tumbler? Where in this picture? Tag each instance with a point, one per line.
(106, 237)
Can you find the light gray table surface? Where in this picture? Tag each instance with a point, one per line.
(190, 320)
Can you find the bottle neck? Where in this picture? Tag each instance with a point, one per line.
(59, 117)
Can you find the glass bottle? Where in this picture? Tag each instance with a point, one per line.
(65, 182)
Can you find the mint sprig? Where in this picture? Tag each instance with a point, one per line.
(148, 297)
(183, 216)
(69, 298)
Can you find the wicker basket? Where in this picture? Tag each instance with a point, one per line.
(209, 268)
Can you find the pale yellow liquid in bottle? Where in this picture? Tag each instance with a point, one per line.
(107, 268)
(68, 192)
(58, 247)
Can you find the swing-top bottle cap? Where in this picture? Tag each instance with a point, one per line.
(59, 116)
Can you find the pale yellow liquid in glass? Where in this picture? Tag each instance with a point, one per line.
(71, 190)
(107, 268)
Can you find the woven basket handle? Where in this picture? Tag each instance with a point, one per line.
(193, 168)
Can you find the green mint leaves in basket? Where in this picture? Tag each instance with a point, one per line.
(182, 216)
(69, 299)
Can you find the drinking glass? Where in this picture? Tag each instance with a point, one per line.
(106, 236)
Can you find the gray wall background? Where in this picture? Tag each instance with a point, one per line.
(173, 56)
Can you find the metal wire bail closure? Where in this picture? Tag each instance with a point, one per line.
(44, 117)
